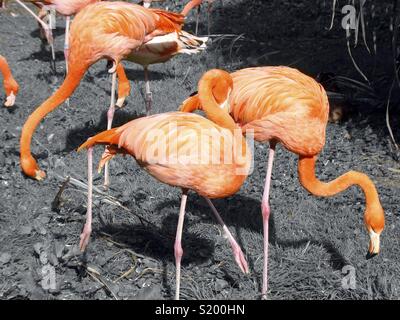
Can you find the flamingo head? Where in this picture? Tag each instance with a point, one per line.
(374, 220)
(31, 169)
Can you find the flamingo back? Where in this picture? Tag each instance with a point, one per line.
(185, 150)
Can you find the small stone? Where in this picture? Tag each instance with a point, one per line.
(38, 248)
(5, 258)
(59, 248)
(221, 284)
(26, 230)
(52, 259)
(39, 227)
(149, 293)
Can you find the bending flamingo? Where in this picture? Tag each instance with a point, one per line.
(111, 30)
(186, 151)
(11, 86)
(283, 105)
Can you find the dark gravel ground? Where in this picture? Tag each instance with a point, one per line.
(312, 239)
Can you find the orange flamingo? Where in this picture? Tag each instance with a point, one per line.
(159, 50)
(111, 30)
(281, 104)
(11, 86)
(176, 149)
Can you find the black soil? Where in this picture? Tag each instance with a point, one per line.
(314, 242)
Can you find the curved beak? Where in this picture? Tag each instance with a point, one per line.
(373, 244)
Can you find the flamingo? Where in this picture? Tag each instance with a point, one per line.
(111, 30)
(281, 104)
(159, 50)
(66, 8)
(175, 148)
(11, 86)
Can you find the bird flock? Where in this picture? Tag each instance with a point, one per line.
(206, 154)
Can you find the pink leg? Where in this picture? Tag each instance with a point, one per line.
(3, 4)
(110, 116)
(237, 251)
(87, 230)
(66, 42)
(148, 95)
(45, 26)
(208, 17)
(66, 47)
(178, 243)
(197, 20)
(265, 213)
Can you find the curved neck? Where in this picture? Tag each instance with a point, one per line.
(192, 4)
(67, 88)
(373, 212)
(210, 106)
(4, 68)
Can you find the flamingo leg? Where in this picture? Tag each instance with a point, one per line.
(87, 229)
(66, 47)
(208, 17)
(237, 251)
(3, 4)
(148, 95)
(110, 116)
(66, 42)
(178, 243)
(265, 214)
(45, 26)
(197, 20)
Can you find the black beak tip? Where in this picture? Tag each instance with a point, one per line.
(370, 255)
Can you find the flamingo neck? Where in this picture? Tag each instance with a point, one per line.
(210, 105)
(192, 4)
(4, 68)
(28, 163)
(374, 214)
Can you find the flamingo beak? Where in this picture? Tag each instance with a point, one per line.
(373, 244)
(10, 100)
(146, 5)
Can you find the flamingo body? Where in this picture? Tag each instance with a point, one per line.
(175, 148)
(163, 48)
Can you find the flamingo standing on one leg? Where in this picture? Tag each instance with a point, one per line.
(159, 50)
(66, 8)
(111, 30)
(11, 86)
(283, 105)
(183, 150)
